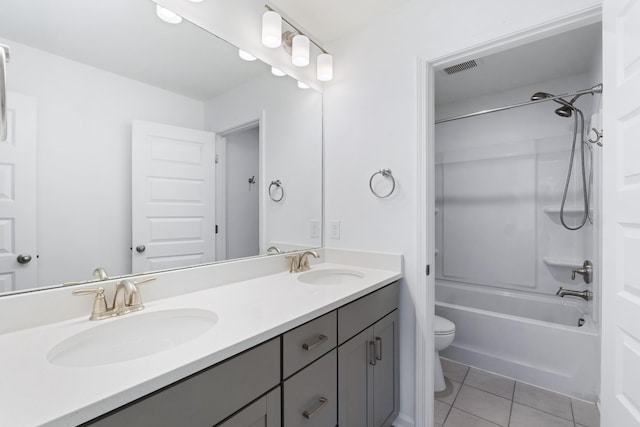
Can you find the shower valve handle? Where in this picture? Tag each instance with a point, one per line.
(586, 271)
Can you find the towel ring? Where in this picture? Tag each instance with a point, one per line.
(277, 184)
(387, 174)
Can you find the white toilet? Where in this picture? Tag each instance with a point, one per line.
(443, 331)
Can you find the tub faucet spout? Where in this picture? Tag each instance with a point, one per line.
(585, 295)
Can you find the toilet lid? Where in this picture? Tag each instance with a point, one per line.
(443, 326)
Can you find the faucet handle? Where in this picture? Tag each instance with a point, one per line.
(143, 281)
(100, 308)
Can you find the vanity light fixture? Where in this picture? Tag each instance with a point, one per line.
(300, 51)
(167, 16)
(294, 42)
(325, 67)
(271, 29)
(277, 72)
(196, 1)
(302, 85)
(246, 55)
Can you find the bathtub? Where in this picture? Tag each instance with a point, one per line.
(530, 338)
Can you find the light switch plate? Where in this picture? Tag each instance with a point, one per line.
(335, 230)
(314, 228)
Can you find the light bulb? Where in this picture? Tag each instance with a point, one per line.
(167, 16)
(302, 85)
(300, 51)
(325, 67)
(271, 29)
(246, 55)
(277, 72)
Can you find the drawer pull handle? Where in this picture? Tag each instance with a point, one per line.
(378, 348)
(321, 339)
(372, 353)
(310, 413)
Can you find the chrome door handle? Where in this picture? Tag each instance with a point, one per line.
(23, 259)
(372, 353)
(309, 413)
(321, 339)
(140, 248)
(378, 348)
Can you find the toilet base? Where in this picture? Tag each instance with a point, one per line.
(438, 375)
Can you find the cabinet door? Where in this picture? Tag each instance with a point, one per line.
(264, 412)
(355, 370)
(385, 373)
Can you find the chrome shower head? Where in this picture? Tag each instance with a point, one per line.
(567, 107)
(540, 95)
(564, 111)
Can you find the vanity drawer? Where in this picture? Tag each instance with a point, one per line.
(360, 314)
(208, 397)
(311, 395)
(308, 342)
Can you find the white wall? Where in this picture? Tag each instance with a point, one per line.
(291, 144)
(371, 122)
(84, 158)
(242, 202)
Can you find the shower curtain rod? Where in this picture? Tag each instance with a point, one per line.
(593, 90)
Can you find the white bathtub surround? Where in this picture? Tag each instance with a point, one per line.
(534, 339)
(480, 398)
(254, 300)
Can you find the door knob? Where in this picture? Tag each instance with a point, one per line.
(23, 259)
(140, 248)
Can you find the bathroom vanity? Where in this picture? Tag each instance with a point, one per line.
(280, 351)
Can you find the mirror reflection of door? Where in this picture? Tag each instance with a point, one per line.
(173, 196)
(237, 195)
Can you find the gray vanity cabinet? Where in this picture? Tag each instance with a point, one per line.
(368, 362)
(265, 412)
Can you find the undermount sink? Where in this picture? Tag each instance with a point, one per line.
(331, 276)
(128, 338)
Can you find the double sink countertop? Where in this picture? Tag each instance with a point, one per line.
(37, 391)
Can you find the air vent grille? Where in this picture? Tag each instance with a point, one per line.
(461, 67)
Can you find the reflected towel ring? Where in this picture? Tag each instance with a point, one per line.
(387, 174)
(277, 184)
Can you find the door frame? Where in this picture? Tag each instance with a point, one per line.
(424, 289)
(221, 189)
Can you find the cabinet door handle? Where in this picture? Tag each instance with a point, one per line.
(372, 353)
(378, 348)
(310, 413)
(310, 346)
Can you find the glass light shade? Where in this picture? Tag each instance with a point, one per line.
(246, 55)
(167, 16)
(271, 29)
(302, 85)
(277, 72)
(196, 1)
(325, 67)
(300, 51)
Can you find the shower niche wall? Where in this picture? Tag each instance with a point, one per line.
(502, 252)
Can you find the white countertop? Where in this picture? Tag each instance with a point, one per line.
(35, 392)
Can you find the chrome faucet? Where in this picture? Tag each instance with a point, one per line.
(100, 273)
(300, 262)
(126, 299)
(585, 295)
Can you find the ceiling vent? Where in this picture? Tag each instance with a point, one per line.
(461, 67)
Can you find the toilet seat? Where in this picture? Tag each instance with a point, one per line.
(442, 326)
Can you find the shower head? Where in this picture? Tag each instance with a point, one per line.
(567, 107)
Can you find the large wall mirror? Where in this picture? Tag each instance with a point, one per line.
(136, 145)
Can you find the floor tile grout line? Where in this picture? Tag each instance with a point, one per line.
(545, 412)
(487, 391)
(478, 416)
(513, 395)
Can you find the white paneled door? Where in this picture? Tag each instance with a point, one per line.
(18, 256)
(173, 191)
(620, 392)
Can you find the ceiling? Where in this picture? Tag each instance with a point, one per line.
(125, 37)
(328, 20)
(559, 56)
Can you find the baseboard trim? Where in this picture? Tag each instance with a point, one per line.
(404, 421)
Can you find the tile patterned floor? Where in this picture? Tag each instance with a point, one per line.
(475, 398)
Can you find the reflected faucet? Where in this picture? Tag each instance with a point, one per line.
(586, 295)
(100, 273)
